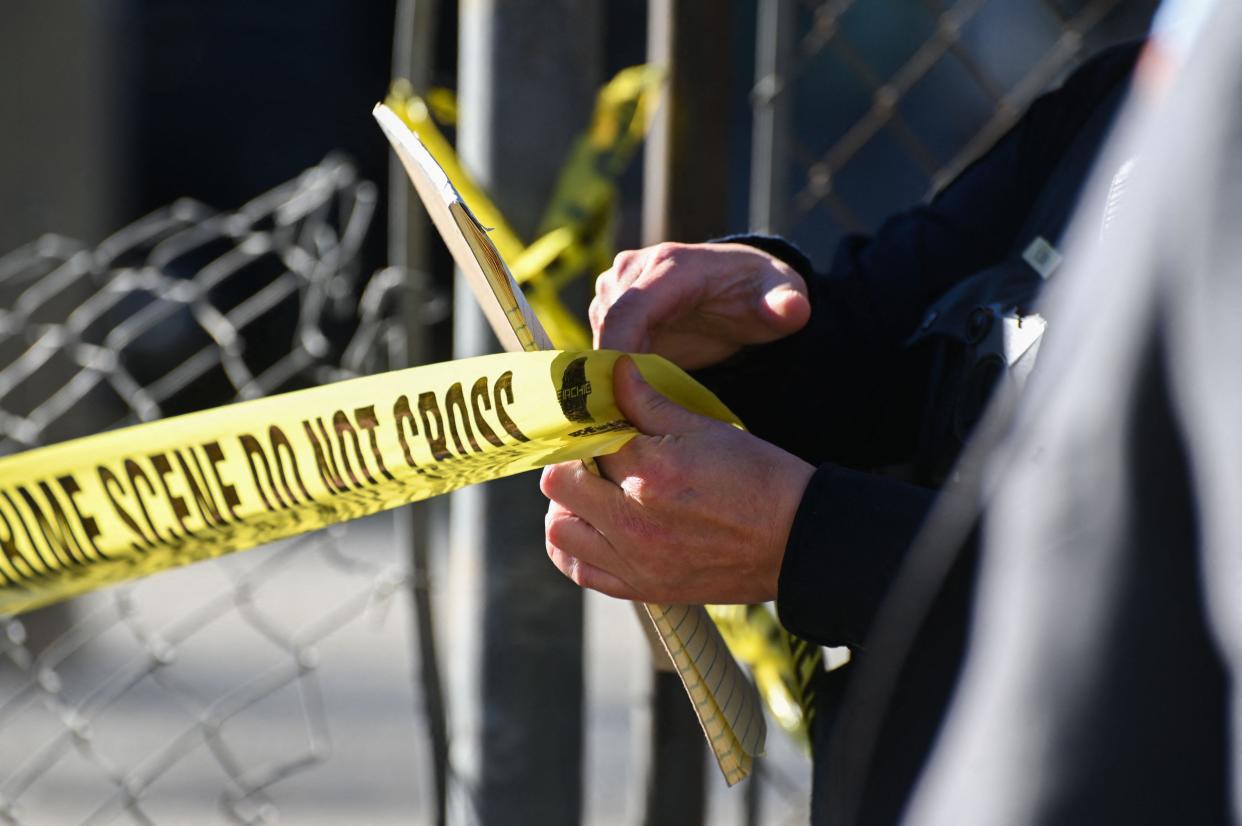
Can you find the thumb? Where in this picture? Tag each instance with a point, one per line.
(653, 413)
(785, 307)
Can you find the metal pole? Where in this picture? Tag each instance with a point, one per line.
(752, 804)
(685, 198)
(528, 71)
(770, 101)
(685, 178)
(771, 105)
(413, 52)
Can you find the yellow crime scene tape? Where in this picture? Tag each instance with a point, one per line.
(114, 506)
(576, 240)
(575, 234)
(127, 503)
(783, 666)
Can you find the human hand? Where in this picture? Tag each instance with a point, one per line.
(696, 304)
(693, 511)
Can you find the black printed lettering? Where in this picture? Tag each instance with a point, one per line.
(177, 504)
(57, 533)
(251, 447)
(478, 394)
(43, 555)
(90, 527)
(505, 384)
(200, 489)
(112, 489)
(455, 409)
(287, 460)
(428, 407)
(8, 546)
(135, 472)
(325, 459)
(343, 426)
(367, 420)
(229, 492)
(403, 416)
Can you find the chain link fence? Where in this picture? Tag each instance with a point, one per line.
(278, 684)
(863, 108)
(284, 684)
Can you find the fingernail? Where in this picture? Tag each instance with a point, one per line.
(776, 298)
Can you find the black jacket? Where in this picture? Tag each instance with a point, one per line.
(884, 385)
(1103, 673)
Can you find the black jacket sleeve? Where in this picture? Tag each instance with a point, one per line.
(819, 392)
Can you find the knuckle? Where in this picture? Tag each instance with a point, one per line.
(569, 565)
(556, 529)
(606, 282)
(647, 469)
(640, 489)
(580, 574)
(560, 559)
(655, 486)
(552, 480)
(624, 260)
(642, 459)
(665, 251)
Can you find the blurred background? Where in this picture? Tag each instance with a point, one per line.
(198, 207)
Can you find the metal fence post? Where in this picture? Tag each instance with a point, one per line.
(685, 178)
(528, 70)
(769, 165)
(412, 58)
(685, 198)
(775, 41)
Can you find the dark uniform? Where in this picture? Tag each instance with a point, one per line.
(911, 330)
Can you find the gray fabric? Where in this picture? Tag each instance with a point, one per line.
(1101, 676)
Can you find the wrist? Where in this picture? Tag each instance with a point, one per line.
(777, 247)
(789, 485)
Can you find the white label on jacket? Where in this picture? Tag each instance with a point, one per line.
(1042, 256)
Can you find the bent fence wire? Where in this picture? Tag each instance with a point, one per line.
(277, 683)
